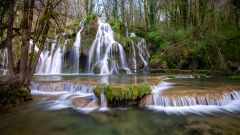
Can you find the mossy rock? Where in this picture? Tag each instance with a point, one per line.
(12, 94)
(114, 92)
(89, 33)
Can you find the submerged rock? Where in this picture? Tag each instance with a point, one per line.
(81, 101)
(146, 100)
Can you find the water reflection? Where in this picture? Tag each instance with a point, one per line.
(118, 122)
(107, 79)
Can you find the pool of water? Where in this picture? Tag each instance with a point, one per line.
(38, 118)
(32, 118)
(107, 79)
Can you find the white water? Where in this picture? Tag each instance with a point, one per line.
(61, 87)
(106, 54)
(103, 104)
(194, 100)
(50, 62)
(132, 34)
(31, 45)
(229, 102)
(134, 56)
(4, 61)
(143, 52)
(66, 92)
(74, 53)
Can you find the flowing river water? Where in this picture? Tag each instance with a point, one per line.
(39, 116)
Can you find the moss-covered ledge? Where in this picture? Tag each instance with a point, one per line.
(11, 95)
(122, 92)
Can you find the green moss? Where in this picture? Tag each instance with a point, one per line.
(97, 91)
(118, 26)
(113, 92)
(234, 77)
(12, 94)
(75, 22)
(171, 76)
(91, 17)
(202, 75)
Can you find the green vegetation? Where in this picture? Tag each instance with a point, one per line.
(117, 25)
(12, 95)
(113, 92)
(234, 77)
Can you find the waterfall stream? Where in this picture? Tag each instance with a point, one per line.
(75, 50)
(103, 104)
(106, 55)
(50, 61)
(4, 61)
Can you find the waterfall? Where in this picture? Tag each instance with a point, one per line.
(74, 53)
(105, 56)
(31, 45)
(227, 98)
(134, 57)
(4, 61)
(103, 100)
(61, 87)
(50, 62)
(105, 50)
(143, 52)
(132, 34)
(66, 94)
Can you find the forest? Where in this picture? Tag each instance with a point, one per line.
(180, 34)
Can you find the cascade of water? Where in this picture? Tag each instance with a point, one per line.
(127, 34)
(74, 58)
(50, 62)
(227, 98)
(61, 86)
(143, 52)
(105, 49)
(4, 61)
(134, 56)
(31, 45)
(103, 100)
(56, 63)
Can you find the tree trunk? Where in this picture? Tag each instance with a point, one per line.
(10, 37)
(152, 13)
(25, 40)
(146, 13)
(44, 36)
(86, 7)
(115, 10)
(184, 13)
(122, 10)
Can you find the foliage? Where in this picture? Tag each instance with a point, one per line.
(132, 92)
(91, 17)
(158, 61)
(117, 25)
(234, 77)
(75, 22)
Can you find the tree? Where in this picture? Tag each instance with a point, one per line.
(27, 62)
